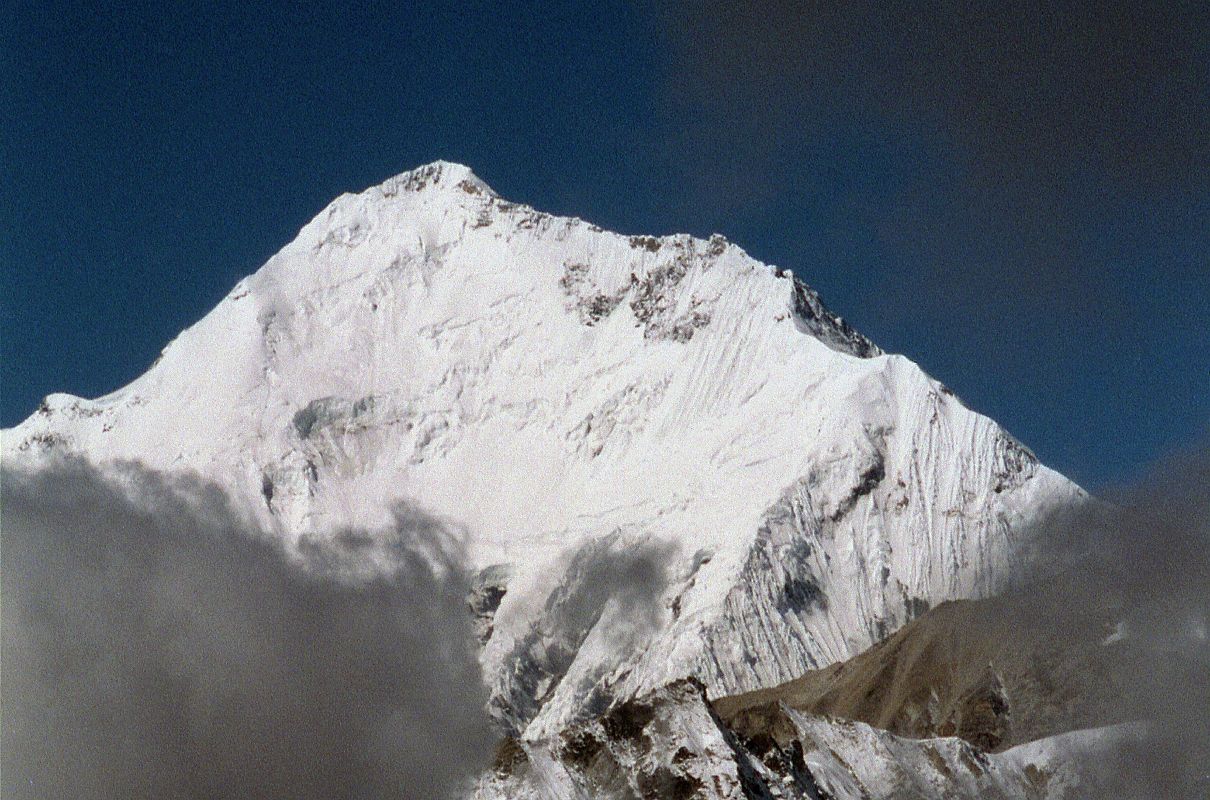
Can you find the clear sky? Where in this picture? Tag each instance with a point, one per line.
(1020, 202)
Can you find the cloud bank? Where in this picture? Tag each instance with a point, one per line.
(157, 645)
(1140, 560)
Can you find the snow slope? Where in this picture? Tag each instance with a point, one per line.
(574, 399)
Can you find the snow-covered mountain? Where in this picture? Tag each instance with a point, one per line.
(669, 459)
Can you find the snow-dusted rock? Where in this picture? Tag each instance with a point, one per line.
(669, 745)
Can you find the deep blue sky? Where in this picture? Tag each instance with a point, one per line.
(1019, 203)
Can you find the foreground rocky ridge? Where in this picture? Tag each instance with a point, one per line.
(671, 745)
(975, 699)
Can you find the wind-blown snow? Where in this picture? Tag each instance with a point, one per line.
(550, 387)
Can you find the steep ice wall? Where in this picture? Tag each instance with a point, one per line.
(558, 390)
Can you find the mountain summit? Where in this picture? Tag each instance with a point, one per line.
(588, 407)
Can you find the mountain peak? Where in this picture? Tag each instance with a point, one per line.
(437, 175)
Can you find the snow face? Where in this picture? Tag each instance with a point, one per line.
(558, 391)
